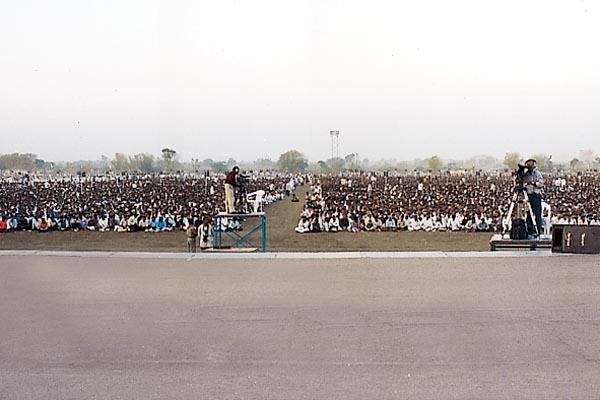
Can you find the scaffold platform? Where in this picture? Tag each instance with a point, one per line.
(241, 239)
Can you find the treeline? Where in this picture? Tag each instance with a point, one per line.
(23, 162)
(168, 160)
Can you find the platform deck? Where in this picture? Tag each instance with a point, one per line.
(497, 242)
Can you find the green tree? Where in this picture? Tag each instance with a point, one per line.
(336, 163)
(219, 167)
(352, 161)
(511, 160)
(264, 163)
(544, 161)
(120, 163)
(231, 163)
(435, 163)
(143, 162)
(168, 156)
(575, 163)
(292, 161)
(587, 157)
(18, 161)
(324, 167)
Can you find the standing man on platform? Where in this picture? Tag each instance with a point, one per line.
(534, 182)
(231, 182)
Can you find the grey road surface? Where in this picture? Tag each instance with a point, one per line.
(447, 328)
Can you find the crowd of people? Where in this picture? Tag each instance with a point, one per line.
(350, 201)
(122, 202)
(451, 201)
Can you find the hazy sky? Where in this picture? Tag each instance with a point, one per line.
(251, 78)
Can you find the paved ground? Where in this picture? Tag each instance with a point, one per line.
(110, 328)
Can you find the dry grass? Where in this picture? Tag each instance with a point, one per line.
(282, 218)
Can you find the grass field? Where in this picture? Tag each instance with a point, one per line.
(282, 218)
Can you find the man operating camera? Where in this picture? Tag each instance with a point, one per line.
(533, 183)
(231, 182)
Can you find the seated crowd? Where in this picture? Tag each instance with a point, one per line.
(471, 202)
(122, 203)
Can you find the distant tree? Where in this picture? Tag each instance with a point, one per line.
(168, 156)
(575, 163)
(352, 161)
(18, 161)
(219, 167)
(143, 162)
(511, 160)
(544, 161)
(435, 163)
(336, 164)
(587, 156)
(292, 161)
(120, 163)
(324, 167)
(104, 163)
(231, 163)
(39, 164)
(262, 164)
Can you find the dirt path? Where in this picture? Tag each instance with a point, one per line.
(282, 218)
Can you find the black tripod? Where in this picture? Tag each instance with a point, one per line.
(520, 199)
(242, 203)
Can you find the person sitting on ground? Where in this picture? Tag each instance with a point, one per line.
(369, 222)
(159, 224)
(344, 222)
(390, 224)
(43, 225)
(303, 225)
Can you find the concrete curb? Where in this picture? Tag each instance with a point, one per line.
(282, 256)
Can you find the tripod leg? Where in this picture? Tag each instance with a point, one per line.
(532, 216)
(509, 215)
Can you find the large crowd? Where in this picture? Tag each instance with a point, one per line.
(351, 201)
(123, 202)
(457, 201)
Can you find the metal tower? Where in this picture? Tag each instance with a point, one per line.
(335, 144)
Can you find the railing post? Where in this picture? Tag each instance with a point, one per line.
(263, 223)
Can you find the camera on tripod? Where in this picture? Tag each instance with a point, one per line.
(521, 206)
(519, 174)
(243, 180)
(242, 183)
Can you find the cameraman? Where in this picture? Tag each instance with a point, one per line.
(533, 182)
(231, 182)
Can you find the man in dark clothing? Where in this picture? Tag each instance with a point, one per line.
(534, 183)
(230, 185)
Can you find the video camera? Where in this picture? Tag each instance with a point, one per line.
(242, 180)
(519, 174)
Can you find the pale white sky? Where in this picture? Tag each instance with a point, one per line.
(249, 78)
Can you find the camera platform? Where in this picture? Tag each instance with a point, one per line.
(241, 239)
(499, 242)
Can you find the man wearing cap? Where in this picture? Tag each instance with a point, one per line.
(534, 182)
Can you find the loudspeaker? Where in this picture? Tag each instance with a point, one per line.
(578, 239)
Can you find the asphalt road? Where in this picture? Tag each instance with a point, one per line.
(109, 328)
